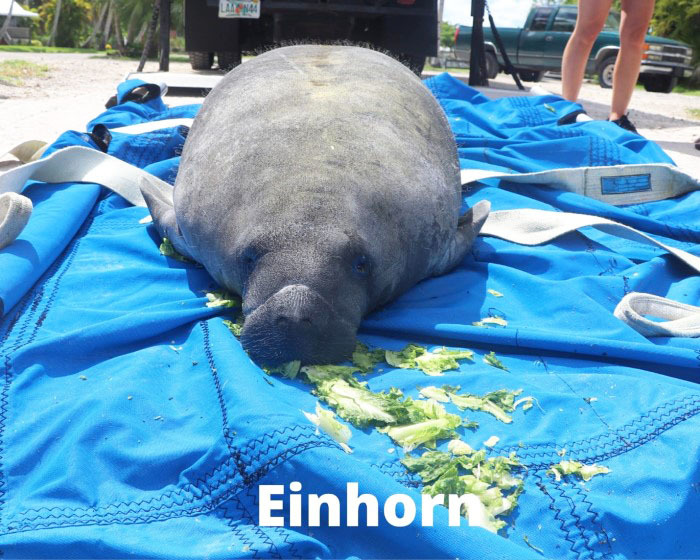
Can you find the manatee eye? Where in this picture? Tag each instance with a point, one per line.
(360, 265)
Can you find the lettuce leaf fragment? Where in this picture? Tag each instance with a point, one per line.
(586, 472)
(406, 358)
(430, 363)
(491, 484)
(221, 298)
(492, 360)
(167, 250)
(497, 403)
(486, 321)
(326, 421)
(494, 293)
(365, 359)
(236, 327)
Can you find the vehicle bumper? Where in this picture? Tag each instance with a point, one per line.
(659, 68)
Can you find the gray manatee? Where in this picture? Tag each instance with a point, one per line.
(318, 183)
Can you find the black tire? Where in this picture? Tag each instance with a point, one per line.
(201, 60)
(531, 75)
(492, 66)
(605, 71)
(659, 83)
(228, 59)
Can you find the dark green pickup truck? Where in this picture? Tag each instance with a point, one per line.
(539, 45)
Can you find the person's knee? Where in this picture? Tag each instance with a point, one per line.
(587, 32)
(633, 34)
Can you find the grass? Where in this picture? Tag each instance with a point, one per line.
(33, 49)
(14, 72)
(686, 90)
(430, 68)
(694, 113)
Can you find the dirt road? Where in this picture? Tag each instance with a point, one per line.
(76, 87)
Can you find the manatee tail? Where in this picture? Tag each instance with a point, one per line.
(163, 214)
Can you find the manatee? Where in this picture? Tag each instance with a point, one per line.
(318, 183)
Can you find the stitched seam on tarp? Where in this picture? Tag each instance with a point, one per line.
(577, 531)
(303, 438)
(272, 551)
(237, 530)
(4, 403)
(605, 446)
(396, 470)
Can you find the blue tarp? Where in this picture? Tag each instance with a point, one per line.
(132, 424)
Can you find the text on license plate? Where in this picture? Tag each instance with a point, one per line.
(239, 8)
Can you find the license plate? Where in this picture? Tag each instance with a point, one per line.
(239, 9)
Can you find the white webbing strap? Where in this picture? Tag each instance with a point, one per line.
(75, 164)
(680, 319)
(528, 226)
(150, 126)
(612, 184)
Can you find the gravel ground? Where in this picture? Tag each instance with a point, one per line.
(77, 86)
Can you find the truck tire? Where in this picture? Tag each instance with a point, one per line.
(659, 83)
(228, 59)
(605, 71)
(531, 75)
(201, 60)
(492, 66)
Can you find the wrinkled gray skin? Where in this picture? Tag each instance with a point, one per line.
(318, 182)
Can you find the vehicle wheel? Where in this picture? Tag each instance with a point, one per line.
(201, 60)
(605, 71)
(228, 59)
(659, 83)
(531, 75)
(492, 66)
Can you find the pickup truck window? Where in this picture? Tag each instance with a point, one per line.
(540, 19)
(565, 19)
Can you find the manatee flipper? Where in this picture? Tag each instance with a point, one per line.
(468, 228)
(163, 214)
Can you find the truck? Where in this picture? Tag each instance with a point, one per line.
(538, 47)
(406, 29)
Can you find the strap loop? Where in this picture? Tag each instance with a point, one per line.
(680, 319)
(15, 211)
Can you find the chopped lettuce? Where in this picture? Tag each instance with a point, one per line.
(325, 420)
(486, 321)
(289, 370)
(490, 485)
(493, 440)
(406, 358)
(222, 298)
(236, 327)
(167, 250)
(357, 404)
(440, 395)
(459, 447)
(532, 546)
(441, 359)
(410, 436)
(365, 359)
(492, 360)
(316, 374)
(498, 403)
(586, 472)
(494, 293)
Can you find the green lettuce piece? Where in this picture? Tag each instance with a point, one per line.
(459, 447)
(435, 393)
(586, 472)
(498, 403)
(406, 358)
(410, 436)
(236, 327)
(494, 293)
(289, 370)
(221, 298)
(357, 404)
(315, 374)
(492, 360)
(326, 421)
(493, 440)
(491, 485)
(365, 359)
(167, 250)
(486, 321)
(441, 359)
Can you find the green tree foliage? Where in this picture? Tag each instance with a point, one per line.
(678, 19)
(447, 34)
(73, 21)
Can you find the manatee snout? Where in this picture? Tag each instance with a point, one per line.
(297, 323)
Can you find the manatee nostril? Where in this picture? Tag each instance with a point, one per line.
(287, 320)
